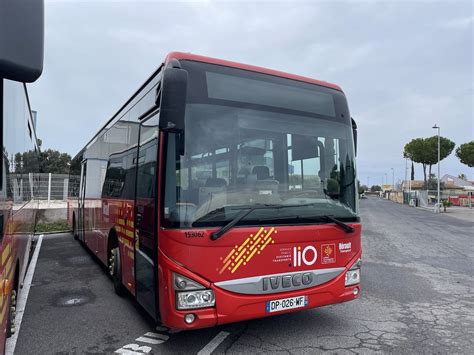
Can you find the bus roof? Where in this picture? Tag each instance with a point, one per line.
(200, 58)
(227, 63)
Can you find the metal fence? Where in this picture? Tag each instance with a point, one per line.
(53, 186)
(46, 187)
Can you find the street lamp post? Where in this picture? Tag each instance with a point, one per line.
(437, 208)
(393, 179)
(406, 174)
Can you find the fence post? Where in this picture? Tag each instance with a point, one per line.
(49, 188)
(65, 189)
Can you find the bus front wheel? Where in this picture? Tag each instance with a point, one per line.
(115, 270)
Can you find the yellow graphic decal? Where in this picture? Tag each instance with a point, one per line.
(243, 253)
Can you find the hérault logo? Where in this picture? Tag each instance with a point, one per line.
(306, 256)
(345, 247)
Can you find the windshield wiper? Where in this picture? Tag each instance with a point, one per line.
(242, 214)
(233, 222)
(327, 218)
(347, 228)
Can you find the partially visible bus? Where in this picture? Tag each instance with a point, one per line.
(221, 192)
(21, 61)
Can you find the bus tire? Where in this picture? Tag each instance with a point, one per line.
(115, 270)
(11, 315)
(10, 329)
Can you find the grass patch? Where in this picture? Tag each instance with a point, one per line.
(59, 226)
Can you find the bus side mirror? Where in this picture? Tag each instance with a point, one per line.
(21, 39)
(354, 134)
(171, 97)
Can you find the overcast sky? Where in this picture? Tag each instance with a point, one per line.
(404, 65)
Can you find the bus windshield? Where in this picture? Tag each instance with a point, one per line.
(254, 139)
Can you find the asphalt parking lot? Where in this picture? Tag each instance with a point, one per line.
(417, 297)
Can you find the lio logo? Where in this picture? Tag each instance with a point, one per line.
(307, 256)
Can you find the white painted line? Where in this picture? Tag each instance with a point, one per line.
(157, 335)
(213, 344)
(22, 298)
(149, 340)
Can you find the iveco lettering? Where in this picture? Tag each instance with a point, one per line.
(221, 192)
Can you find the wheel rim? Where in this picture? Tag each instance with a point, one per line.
(12, 312)
(112, 260)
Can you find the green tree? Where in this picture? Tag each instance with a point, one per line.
(425, 151)
(416, 151)
(48, 161)
(375, 188)
(446, 147)
(362, 189)
(54, 162)
(462, 175)
(465, 153)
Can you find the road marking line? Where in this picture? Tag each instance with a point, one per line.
(22, 298)
(149, 340)
(157, 335)
(133, 349)
(213, 344)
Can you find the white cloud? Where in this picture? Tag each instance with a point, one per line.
(458, 23)
(401, 69)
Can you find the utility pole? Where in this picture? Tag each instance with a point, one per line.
(437, 208)
(406, 174)
(393, 179)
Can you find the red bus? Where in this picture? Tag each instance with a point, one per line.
(21, 61)
(221, 192)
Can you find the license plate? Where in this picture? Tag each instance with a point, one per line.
(286, 303)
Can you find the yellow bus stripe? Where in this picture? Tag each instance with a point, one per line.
(258, 233)
(228, 256)
(266, 243)
(224, 267)
(268, 234)
(243, 244)
(240, 255)
(255, 243)
(236, 266)
(251, 255)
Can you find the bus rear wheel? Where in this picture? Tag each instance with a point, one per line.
(115, 270)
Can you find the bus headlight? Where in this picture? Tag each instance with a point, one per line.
(195, 299)
(191, 294)
(353, 274)
(182, 283)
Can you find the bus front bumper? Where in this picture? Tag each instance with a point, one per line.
(233, 307)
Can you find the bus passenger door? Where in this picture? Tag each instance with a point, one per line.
(81, 198)
(146, 217)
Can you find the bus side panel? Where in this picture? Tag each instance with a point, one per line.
(125, 225)
(7, 250)
(89, 237)
(117, 215)
(99, 233)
